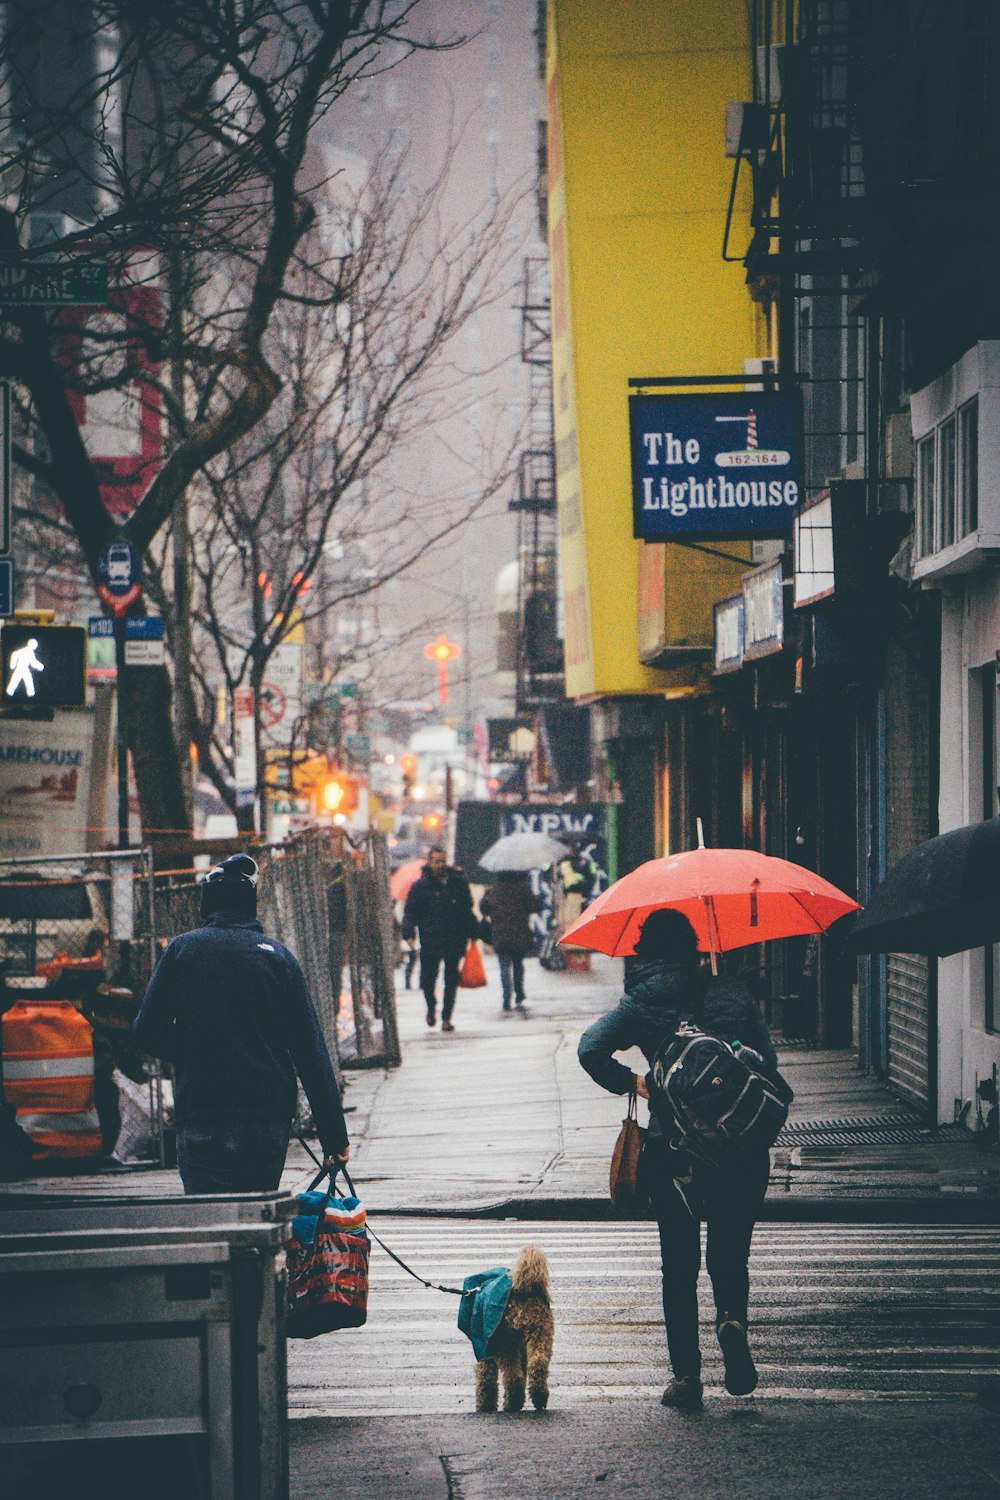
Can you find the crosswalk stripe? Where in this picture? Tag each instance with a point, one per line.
(841, 1313)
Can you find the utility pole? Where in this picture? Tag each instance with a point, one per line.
(183, 723)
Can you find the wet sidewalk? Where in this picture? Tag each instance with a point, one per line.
(498, 1118)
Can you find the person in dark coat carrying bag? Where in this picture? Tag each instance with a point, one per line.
(508, 907)
(439, 907)
(230, 1009)
(664, 989)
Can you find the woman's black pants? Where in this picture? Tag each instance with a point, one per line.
(729, 1206)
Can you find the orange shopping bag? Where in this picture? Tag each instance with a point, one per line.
(472, 974)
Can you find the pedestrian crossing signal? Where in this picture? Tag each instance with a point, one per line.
(43, 666)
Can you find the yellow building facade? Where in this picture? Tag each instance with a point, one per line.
(638, 189)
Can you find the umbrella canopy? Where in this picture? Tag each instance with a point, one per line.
(941, 898)
(522, 851)
(404, 877)
(731, 897)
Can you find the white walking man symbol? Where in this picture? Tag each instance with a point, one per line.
(23, 662)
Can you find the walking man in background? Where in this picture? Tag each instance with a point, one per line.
(440, 908)
(230, 1009)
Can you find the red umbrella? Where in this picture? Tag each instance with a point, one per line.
(404, 877)
(731, 897)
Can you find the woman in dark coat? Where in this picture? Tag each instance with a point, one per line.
(663, 989)
(509, 905)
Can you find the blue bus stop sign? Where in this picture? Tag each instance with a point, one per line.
(120, 574)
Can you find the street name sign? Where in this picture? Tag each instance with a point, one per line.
(715, 465)
(144, 638)
(40, 283)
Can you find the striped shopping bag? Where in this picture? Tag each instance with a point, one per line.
(327, 1263)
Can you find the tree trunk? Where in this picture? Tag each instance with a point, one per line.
(155, 757)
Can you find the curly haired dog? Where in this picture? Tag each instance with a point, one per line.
(521, 1347)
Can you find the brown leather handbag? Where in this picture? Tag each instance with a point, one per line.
(624, 1177)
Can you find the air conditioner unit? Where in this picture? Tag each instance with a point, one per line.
(753, 367)
(746, 128)
(898, 446)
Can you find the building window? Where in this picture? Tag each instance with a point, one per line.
(988, 711)
(968, 460)
(947, 447)
(925, 496)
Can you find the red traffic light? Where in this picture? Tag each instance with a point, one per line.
(442, 650)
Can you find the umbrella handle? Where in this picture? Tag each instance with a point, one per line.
(710, 914)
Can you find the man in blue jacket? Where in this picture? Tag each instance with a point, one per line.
(230, 1009)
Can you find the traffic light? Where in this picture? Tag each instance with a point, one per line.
(408, 766)
(431, 822)
(337, 794)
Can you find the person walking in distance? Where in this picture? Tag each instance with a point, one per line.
(664, 988)
(439, 907)
(229, 1007)
(508, 906)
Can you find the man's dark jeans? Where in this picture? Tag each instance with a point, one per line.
(232, 1157)
(431, 960)
(511, 977)
(729, 1207)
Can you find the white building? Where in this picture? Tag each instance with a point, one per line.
(956, 429)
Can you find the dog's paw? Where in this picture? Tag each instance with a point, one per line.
(539, 1400)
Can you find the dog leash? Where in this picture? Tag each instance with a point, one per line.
(434, 1286)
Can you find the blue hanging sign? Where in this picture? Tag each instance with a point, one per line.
(715, 466)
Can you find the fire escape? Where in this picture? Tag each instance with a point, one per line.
(539, 644)
(800, 139)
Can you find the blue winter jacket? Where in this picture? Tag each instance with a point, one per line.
(230, 1009)
(657, 998)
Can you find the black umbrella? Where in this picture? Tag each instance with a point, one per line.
(942, 897)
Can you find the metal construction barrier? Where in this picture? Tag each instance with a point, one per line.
(327, 899)
(82, 928)
(360, 900)
(90, 928)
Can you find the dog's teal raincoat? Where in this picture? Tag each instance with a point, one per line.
(479, 1314)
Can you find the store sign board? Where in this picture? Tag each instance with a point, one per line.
(764, 612)
(715, 465)
(814, 560)
(244, 748)
(730, 620)
(45, 782)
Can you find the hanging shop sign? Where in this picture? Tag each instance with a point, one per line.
(730, 619)
(764, 612)
(814, 572)
(715, 465)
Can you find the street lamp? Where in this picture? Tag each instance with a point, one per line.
(442, 651)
